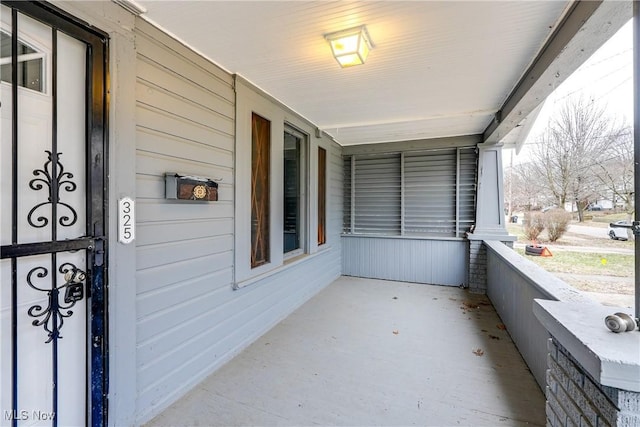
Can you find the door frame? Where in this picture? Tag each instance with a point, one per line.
(97, 197)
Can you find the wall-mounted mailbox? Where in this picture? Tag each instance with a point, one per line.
(187, 187)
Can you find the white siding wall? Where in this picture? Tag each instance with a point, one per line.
(185, 123)
(433, 261)
(189, 319)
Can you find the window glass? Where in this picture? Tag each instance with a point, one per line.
(260, 161)
(292, 190)
(322, 196)
(30, 64)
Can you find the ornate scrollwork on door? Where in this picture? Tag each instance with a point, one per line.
(53, 176)
(52, 317)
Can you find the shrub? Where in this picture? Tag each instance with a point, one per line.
(533, 225)
(556, 222)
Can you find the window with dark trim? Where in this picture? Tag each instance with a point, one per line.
(322, 196)
(260, 188)
(293, 181)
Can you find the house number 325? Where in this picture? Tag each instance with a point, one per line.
(126, 220)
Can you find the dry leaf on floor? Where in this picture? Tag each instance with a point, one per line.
(493, 337)
(478, 352)
(501, 326)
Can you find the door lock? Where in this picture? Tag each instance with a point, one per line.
(74, 279)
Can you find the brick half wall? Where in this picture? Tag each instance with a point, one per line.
(575, 399)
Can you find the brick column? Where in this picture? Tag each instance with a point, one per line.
(574, 398)
(477, 267)
(478, 263)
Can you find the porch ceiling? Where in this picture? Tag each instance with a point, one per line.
(438, 69)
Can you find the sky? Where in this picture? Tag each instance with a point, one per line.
(607, 78)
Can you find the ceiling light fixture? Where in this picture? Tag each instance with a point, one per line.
(350, 47)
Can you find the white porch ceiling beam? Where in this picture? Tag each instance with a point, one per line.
(395, 121)
(586, 26)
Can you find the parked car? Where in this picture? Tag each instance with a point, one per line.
(594, 208)
(618, 230)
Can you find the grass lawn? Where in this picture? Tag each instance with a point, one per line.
(617, 265)
(581, 260)
(573, 239)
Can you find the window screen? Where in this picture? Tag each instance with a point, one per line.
(418, 193)
(377, 195)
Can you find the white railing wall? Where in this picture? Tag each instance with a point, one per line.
(513, 282)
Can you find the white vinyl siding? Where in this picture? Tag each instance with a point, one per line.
(184, 123)
(189, 320)
(414, 193)
(417, 260)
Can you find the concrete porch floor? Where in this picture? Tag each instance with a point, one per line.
(370, 352)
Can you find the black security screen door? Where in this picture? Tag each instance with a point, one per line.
(53, 349)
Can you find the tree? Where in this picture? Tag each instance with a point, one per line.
(615, 172)
(574, 142)
(524, 188)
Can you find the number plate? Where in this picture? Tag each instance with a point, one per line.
(126, 220)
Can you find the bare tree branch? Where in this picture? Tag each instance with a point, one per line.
(570, 152)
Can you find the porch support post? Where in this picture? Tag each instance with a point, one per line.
(490, 216)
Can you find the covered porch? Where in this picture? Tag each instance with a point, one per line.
(373, 352)
(398, 173)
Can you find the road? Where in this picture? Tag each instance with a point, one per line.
(588, 231)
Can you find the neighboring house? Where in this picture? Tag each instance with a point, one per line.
(97, 253)
(598, 205)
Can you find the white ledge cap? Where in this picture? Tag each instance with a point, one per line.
(611, 359)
